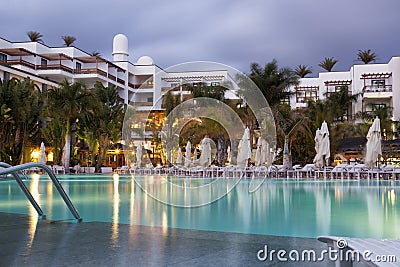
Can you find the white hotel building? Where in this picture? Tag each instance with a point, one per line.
(142, 82)
(375, 84)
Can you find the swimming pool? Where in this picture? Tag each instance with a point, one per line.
(298, 208)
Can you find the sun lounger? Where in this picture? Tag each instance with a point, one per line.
(305, 172)
(58, 169)
(122, 170)
(340, 171)
(383, 251)
(106, 170)
(357, 171)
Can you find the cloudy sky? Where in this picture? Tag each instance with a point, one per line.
(231, 32)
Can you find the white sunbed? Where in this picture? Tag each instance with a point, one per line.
(307, 170)
(357, 171)
(340, 171)
(58, 169)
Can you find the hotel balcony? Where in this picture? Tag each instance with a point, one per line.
(140, 86)
(91, 71)
(144, 104)
(18, 62)
(54, 67)
(381, 91)
(379, 88)
(371, 113)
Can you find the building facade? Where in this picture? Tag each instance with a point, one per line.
(141, 83)
(376, 85)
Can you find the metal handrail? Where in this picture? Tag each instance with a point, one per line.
(13, 170)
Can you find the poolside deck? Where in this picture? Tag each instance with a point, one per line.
(48, 243)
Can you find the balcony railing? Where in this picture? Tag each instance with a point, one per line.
(305, 99)
(18, 62)
(91, 71)
(143, 86)
(131, 85)
(147, 104)
(120, 81)
(54, 67)
(377, 88)
(140, 86)
(373, 113)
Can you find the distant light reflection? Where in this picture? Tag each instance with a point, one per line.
(116, 200)
(34, 216)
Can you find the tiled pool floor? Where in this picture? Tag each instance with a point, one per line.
(48, 243)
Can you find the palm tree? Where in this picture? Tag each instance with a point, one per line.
(20, 102)
(288, 122)
(54, 134)
(66, 103)
(105, 118)
(273, 81)
(328, 63)
(302, 70)
(95, 54)
(366, 56)
(68, 40)
(35, 36)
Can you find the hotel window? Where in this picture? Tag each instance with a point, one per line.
(3, 57)
(376, 107)
(338, 87)
(285, 100)
(150, 99)
(174, 84)
(43, 62)
(311, 95)
(378, 83)
(78, 66)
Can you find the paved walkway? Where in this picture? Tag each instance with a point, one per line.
(47, 243)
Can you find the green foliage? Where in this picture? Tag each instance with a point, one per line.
(302, 70)
(274, 82)
(35, 36)
(68, 40)
(328, 63)
(104, 119)
(204, 90)
(366, 56)
(333, 108)
(19, 121)
(54, 134)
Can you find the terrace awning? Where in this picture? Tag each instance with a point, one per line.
(381, 75)
(337, 82)
(56, 56)
(97, 59)
(193, 78)
(306, 88)
(17, 52)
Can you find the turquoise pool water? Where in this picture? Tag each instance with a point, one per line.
(305, 208)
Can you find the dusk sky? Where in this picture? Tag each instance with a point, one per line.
(231, 32)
